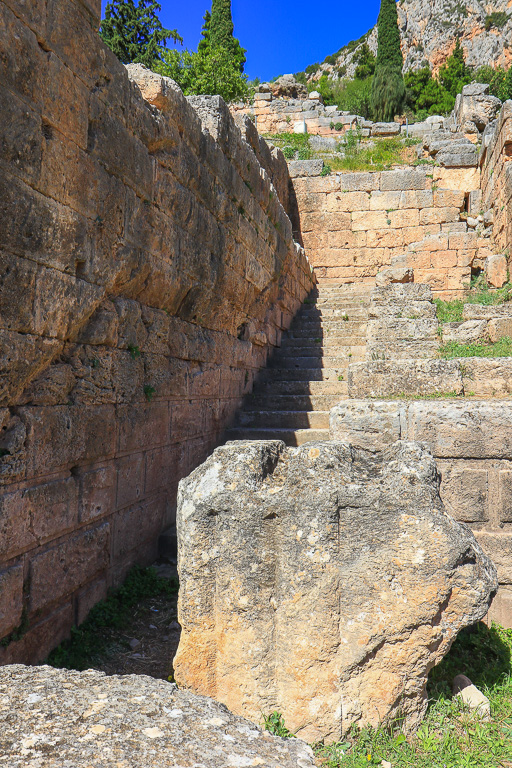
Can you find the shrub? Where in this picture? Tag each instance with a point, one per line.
(326, 170)
(496, 19)
(289, 153)
(312, 69)
(338, 126)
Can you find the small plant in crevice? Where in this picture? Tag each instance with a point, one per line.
(326, 170)
(149, 391)
(134, 351)
(274, 723)
(18, 632)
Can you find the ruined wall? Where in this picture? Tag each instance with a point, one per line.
(147, 269)
(355, 224)
(497, 178)
(472, 445)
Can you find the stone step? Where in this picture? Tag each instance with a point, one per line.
(291, 437)
(304, 388)
(330, 346)
(304, 374)
(323, 333)
(349, 354)
(340, 314)
(284, 419)
(316, 351)
(327, 323)
(272, 401)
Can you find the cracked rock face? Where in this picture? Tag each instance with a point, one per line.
(428, 29)
(56, 718)
(322, 581)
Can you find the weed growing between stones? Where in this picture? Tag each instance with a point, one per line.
(501, 348)
(450, 736)
(90, 639)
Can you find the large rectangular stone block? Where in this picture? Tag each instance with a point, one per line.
(11, 598)
(465, 491)
(391, 378)
(59, 571)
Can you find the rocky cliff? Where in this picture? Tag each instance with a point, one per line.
(429, 28)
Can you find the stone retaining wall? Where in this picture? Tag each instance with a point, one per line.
(472, 444)
(147, 270)
(497, 177)
(355, 224)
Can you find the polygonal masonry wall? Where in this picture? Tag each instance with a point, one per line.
(147, 269)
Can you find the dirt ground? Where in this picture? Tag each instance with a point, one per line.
(149, 645)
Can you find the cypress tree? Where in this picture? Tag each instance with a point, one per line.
(388, 89)
(134, 32)
(221, 32)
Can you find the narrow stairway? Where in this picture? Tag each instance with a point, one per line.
(307, 375)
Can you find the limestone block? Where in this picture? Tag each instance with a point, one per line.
(488, 377)
(385, 129)
(298, 168)
(260, 548)
(458, 156)
(394, 275)
(497, 546)
(388, 378)
(465, 492)
(403, 180)
(496, 270)
(371, 425)
(11, 598)
(474, 699)
(498, 328)
(464, 332)
(62, 569)
(359, 182)
(177, 728)
(488, 311)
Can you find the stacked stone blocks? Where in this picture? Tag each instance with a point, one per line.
(147, 269)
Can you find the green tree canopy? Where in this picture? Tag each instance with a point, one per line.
(365, 60)
(221, 30)
(134, 32)
(388, 89)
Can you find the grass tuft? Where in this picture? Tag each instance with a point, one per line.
(501, 348)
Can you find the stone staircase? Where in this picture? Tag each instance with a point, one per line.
(307, 375)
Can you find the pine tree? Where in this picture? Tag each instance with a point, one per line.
(134, 32)
(221, 32)
(388, 89)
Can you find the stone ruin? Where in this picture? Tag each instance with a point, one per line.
(157, 257)
(323, 582)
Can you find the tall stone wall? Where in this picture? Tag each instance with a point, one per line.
(496, 183)
(147, 269)
(355, 224)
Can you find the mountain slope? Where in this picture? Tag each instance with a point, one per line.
(428, 30)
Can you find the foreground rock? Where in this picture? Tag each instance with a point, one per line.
(322, 581)
(51, 718)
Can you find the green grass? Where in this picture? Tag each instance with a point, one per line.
(382, 155)
(501, 348)
(449, 311)
(450, 736)
(90, 639)
(480, 293)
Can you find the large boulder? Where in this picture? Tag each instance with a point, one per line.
(287, 87)
(322, 581)
(56, 718)
(475, 107)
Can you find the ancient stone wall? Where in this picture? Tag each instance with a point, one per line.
(472, 444)
(496, 183)
(147, 269)
(355, 224)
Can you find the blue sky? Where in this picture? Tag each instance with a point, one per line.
(280, 35)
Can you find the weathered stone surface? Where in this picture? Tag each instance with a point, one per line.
(473, 698)
(395, 275)
(496, 270)
(385, 129)
(471, 330)
(391, 378)
(287, 602)
(56, 717)
(305, 168)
